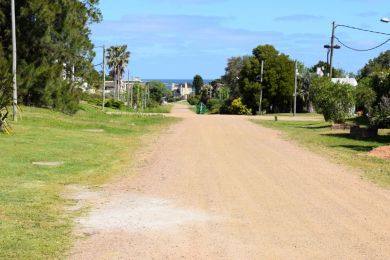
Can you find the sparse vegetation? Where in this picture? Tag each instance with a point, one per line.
(33, 222)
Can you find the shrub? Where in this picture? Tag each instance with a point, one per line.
(365, 96)
(95, 99)
(193, 101)
(334, 101)
(153, 103)
(114, 104)
(214, 105)
(235, 107)
(381, 115)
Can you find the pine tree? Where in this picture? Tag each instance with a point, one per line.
(53, 41)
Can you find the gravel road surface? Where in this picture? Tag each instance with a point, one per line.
(222, 187)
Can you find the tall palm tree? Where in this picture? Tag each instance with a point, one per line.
(117, 60)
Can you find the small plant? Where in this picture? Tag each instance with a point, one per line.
(114, 104)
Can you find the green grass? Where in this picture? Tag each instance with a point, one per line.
(33, 223)
(339, 146)
(312, 115)
(163, 109)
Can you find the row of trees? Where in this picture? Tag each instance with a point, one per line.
(242, 78)
(335, 101)
(54, 48)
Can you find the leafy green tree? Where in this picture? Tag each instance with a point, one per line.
(376, 65)
(197, 83)
(380, 83)
(381, 115)
(53, 43)
(158, 90)
(278, 80)
(232, 74)
(249, 87)
(334, 101)
(365, 96)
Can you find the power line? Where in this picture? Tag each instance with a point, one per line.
(361, 29)
(354, 49)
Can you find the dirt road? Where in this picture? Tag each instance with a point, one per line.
(221, 187)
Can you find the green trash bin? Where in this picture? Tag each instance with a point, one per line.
(201, 108)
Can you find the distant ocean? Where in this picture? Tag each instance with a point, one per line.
(169, 82)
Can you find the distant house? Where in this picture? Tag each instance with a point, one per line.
(181, 90)
(349, 81)
(124, 84)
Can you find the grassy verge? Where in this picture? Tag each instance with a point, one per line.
(319, 116)
(93, 146)
(163, 109)
(339, 146)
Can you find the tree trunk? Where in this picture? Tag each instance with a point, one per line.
(115, 85)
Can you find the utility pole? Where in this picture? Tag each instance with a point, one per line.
(331, 50)
(104, 78)
(128, 88)
(261, 86)
(295, 87)
(131, 95)
(14, 85)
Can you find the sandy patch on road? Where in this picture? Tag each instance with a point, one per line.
(134, 213)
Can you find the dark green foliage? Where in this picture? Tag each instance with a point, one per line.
(381, 115)
(225, 107)
(365, 96)
(52, 37)
(5, 82)
(158, 91)
(232, 74)
(376, 65)
(278, 83)
(334, 101)
(197, 83)
(94, 99)
(214, 105)
(193, 100)
(375, 75)
(380, 83)
(114, 104)
(153, 103)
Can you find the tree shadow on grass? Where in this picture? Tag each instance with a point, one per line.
(314, 126)
(358, 148)
(382, 139)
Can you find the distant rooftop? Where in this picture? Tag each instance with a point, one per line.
(350, 81)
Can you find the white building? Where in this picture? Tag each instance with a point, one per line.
(349, 81)
(124, 84)
(183, 90)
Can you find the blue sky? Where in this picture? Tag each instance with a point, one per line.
(181, 38)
